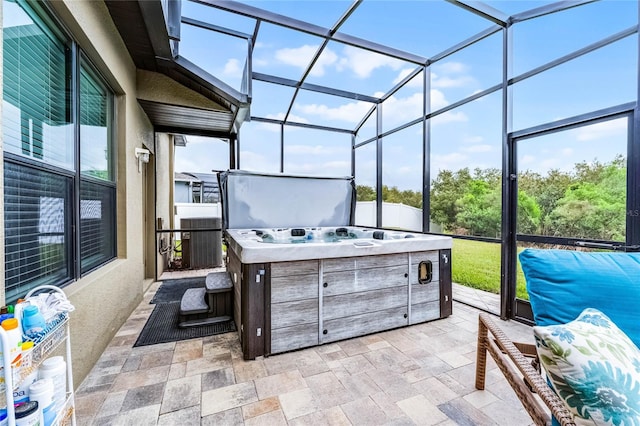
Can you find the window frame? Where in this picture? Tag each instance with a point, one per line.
(75, 61)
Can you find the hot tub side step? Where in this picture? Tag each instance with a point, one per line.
(218, 282)
(208, 305)
(202, 321)
(194, 302)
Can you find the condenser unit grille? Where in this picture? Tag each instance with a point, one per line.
(201, 249)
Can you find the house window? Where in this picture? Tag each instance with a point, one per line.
(97, 177)
(59, 179)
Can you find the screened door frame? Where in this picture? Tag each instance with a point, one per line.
(510, 306)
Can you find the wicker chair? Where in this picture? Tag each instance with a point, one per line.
(519, 364)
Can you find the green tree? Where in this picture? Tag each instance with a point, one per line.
(593, 207)
(529, 214)
(365, 193)
(446, 189)
(479, 210)
(547, 190)
(390, 195)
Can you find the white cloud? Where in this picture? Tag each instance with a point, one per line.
(350, 113)
(445, 76)
(233, 68)
(363, 62)
(292, 117)
(473, 139)
(451, 74)
(316, 150)
(449, 117)
(196, 140)
(202, 155)
(296, 56)
(415, 82)
(452, 161)
(607, 129)
(447, 82)
(258, 62)
(478, 148)
(251, 160)
(329, 168)
(567, 152)
(193, 141)
(189, 165)
(438, 100)
(451, 67)
(398, 110)
(527, 159)
(551, 163)
(300, 57)
(395, 110)
(405, 170)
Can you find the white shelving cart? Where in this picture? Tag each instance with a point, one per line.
(57, 332)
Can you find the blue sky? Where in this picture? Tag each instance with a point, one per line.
(468, 136)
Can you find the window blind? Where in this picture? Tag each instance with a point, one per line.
(37, 226)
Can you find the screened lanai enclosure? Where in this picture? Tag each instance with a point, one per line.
(505, 124)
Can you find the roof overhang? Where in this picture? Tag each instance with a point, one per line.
(142, 26)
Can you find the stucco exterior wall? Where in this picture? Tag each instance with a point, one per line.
(164, 196)
(153, 86)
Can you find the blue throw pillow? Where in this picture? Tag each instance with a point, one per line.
(562, 283)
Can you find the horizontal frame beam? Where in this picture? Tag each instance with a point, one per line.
(304, 125)
(314, 87)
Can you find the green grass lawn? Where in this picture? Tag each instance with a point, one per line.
(476, 264)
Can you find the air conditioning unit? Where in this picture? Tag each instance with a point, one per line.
(201, 249)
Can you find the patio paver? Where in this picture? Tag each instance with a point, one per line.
(423, 374)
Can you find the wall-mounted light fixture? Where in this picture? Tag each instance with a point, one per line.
(143, 157)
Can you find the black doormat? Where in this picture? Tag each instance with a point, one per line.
(172, 290)
(162, 327)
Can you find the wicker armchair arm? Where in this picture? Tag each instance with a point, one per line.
(514, 360)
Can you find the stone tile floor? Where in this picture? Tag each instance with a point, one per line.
(418, 375)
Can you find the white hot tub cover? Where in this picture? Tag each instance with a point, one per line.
(259, 200)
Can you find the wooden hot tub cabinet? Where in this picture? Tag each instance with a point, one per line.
(288, 305)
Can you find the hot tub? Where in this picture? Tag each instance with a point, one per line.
(301, 286)
(287, 244)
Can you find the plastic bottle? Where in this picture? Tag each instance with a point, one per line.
(27, 349)
(27, 414)
(10, 326)
(13, 350)
(17, 311)
(55, 368)
(21, 393)
(42, 391)
(33, 323)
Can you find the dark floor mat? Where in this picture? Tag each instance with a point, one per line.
(172, 290)
(162, 327)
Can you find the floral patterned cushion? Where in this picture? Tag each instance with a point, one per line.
(594, 367)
